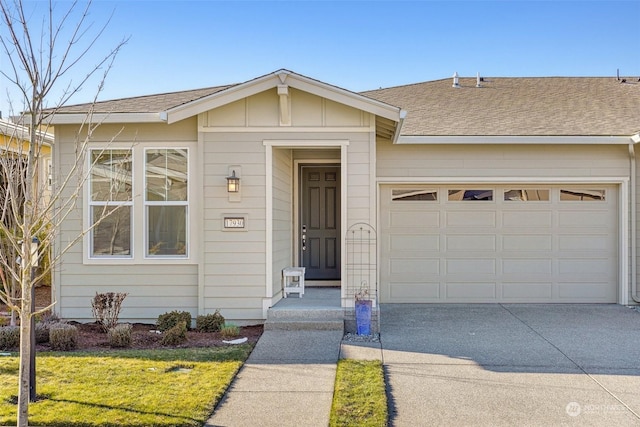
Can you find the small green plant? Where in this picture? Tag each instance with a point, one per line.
(63, 337)
(9, 337)
(106, 308)
(120, 335)
(210, 322)
(167, 321)
(229, 330)
(176, 335)
(3, 321)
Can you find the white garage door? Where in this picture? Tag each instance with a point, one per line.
(546, 243)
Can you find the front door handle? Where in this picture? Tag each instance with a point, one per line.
(304, 237)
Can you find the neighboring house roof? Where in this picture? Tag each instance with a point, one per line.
(16, 133)
(523, 106)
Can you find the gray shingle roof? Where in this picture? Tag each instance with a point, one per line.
(539, 106)
(503, 106)
(144, 104)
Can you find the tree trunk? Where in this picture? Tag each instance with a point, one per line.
(25, 357)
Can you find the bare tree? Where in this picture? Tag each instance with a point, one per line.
(41, 55)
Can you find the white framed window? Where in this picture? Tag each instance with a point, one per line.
(166, 202)
(111, 203)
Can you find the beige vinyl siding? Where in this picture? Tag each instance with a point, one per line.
(153, 288)
(282, 215)
(234, 260)
(419, 161)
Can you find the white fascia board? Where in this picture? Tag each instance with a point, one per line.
(221, 98)
(586, 140)
(73, 119)
(635, 138)
(13, 130)
(343, 96)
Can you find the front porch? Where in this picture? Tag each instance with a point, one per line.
(319, 309)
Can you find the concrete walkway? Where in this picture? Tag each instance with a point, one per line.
(287, 381)
(463, 365)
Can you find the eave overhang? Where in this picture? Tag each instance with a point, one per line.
(501, 139)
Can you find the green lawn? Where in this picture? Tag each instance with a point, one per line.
(359, 397)
(125, 388)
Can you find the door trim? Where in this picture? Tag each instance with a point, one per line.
(332, 163)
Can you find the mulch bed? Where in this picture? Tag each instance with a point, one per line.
(91, 336)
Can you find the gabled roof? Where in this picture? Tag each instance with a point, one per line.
(526, 106)
(176, 106)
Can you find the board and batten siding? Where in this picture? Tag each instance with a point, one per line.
(153, 288)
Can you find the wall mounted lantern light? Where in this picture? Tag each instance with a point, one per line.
(233, 183)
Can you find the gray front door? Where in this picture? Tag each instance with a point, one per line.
(320, 222)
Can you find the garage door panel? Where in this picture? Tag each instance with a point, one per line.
(408, 267)
(410, 291)
(470, 219)
(404, 218)
(516, 250)
(465, 291)
(527, 266)
(527, 292)
(587, 292)
(414, 242)
(470, 266)
(584, 218)
(592, 266)
(471, 242)
(592, 242)
(527, 242)
(523, 219)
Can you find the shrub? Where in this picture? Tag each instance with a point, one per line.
(167, 321)
(3, 321)
(229, 331)
(120, 335)
(9, 337)
(106, 308)
(42, 332)
(210, 322)
(176, 335)
(63, 337)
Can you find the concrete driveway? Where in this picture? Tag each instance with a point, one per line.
(512, 364)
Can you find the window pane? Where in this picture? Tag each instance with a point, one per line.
(414, 195)
(582, 195)
(167, 227)
(111, 175)
(166, 174)
(455, 195)
(526, 195)
(112, 235)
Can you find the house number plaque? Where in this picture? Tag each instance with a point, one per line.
(233, 222)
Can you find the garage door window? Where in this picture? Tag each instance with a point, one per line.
(528, 195)
(470, 195)
(573, 194)
(414, 195)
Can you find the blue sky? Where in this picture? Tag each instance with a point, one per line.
(357, 45)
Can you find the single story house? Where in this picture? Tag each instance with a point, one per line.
(467, 190)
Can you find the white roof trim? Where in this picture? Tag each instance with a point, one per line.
(13, 130)
(606, 140)
(272, 80)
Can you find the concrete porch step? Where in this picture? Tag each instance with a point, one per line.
(303, 324)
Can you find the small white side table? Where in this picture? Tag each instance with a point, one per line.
(293, 281)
